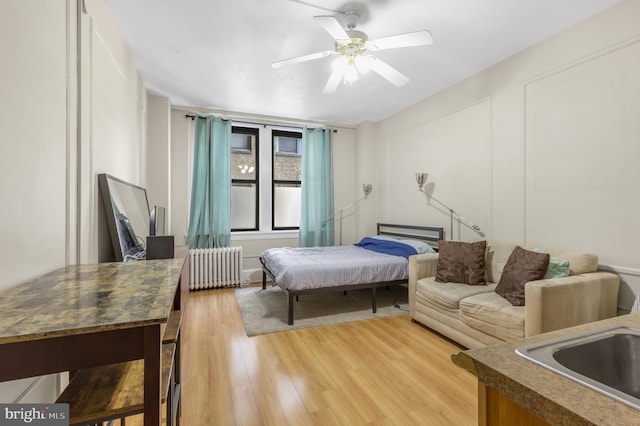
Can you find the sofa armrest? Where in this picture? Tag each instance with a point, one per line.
(557, 303)
(420, 266)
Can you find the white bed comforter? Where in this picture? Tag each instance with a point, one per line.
(316, 267)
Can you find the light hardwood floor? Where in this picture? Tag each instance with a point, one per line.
(385, 371)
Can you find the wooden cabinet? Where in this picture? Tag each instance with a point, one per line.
(496, 409)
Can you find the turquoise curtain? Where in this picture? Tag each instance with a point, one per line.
(316, 221)
(210, 214)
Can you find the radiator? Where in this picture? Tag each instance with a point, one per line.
(215, 267)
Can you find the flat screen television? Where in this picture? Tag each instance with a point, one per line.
(127, 211)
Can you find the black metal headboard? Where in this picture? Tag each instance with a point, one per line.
(429, 234)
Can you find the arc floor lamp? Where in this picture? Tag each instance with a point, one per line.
(421, 179)
(366, 187)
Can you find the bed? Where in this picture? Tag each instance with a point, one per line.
(377, 261)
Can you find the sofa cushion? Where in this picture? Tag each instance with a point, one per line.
(497, 256)
(448, 295)
(523, 266)
(461, 262)
(579, 263)
(493, 315)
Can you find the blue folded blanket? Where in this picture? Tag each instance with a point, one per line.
(387, 246)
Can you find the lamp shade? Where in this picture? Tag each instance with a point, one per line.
(421, 179)
(366, 187)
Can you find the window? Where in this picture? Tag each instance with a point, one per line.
(244, 179)
(287, 188)
(266, 167)
(288, 145)
(241, 142)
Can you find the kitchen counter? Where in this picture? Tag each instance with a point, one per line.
(548, 395)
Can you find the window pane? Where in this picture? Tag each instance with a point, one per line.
(288, 145)
(286, 207)
(286, 167)
(243, 206)
(241, 142)
(243, 161)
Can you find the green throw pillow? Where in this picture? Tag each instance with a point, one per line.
(558, 268)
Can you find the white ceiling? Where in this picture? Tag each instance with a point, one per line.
(217, 54)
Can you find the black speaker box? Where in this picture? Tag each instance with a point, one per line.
(160, 247)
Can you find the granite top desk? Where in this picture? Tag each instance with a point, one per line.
(83, 316)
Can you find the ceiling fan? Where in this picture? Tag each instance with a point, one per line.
(354, 46)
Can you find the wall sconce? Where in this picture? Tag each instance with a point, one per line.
(421, 179)
(366, 187)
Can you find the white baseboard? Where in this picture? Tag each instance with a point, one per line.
(252, 275)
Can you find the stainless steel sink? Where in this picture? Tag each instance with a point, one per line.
(606, 360)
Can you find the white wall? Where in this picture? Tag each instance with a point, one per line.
(180, 159)
(55, 137)
(345, 192)
(366, 173)
(112, 124)
(34, 141)
(541, 149)
(158, 182)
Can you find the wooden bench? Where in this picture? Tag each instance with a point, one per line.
(116, 391)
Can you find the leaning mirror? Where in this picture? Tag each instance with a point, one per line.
(127, 212)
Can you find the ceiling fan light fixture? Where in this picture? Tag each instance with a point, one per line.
(363, 64)
(350, 74)
(339, 64)
(353, 47)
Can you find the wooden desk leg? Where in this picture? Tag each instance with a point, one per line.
(152, 376)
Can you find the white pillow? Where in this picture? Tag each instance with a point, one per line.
(420, 246)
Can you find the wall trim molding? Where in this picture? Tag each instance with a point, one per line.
(393, 135)
(581, 60)
(621, 270)
(264, 120)
(539, 77)
(446, 113)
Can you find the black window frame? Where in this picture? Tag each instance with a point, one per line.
(274, 181)
(255, 132)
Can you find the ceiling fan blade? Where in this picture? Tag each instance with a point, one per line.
(304, 58)
(418, 38)
(333, 27)
(335, 79)
(386, 71)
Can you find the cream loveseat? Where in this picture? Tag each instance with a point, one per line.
(475, 315)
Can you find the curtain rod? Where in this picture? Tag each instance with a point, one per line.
(193, 117)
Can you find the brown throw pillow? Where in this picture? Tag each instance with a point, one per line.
(460, 262)
(521, 267)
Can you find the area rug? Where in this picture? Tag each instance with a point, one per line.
(265, 311)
